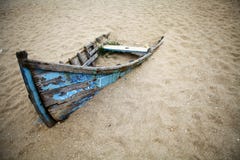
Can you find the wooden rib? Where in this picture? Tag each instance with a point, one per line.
(89, 49)
(104, 37)
(74, 61)
(91, 60)
(86, 51)
(101, 38)
(89, 45)
(92, 52)
(82, 57)
(69, 60)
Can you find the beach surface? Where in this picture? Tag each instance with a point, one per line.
(182, 103)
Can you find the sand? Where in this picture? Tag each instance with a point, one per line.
(183, 103)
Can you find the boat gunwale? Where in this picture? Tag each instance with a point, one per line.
(34, 64)
(50, 66)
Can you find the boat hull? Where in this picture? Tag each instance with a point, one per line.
(57, 90)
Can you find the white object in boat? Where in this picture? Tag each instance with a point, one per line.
(126, 49)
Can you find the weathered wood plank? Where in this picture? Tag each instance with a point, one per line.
(102, 38)
(93, 51)
(48, 95)
(53, 80)
(82, 57)
(90, 49)
(64, 89)
(51, 101)
(74, 61)
(90, 45)
(41, 83)
(91, 60)
(86, 51)
(60, 112)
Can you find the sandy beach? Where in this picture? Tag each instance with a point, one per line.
(182, 103)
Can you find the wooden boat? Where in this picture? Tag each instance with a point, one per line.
(58, 89)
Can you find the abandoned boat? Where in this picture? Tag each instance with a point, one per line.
(58, 89)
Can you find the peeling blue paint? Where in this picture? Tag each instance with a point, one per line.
(51, 75)
(66, 79)
(102, 80)
(59, 96)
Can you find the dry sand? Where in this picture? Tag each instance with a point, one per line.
(183, 103)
